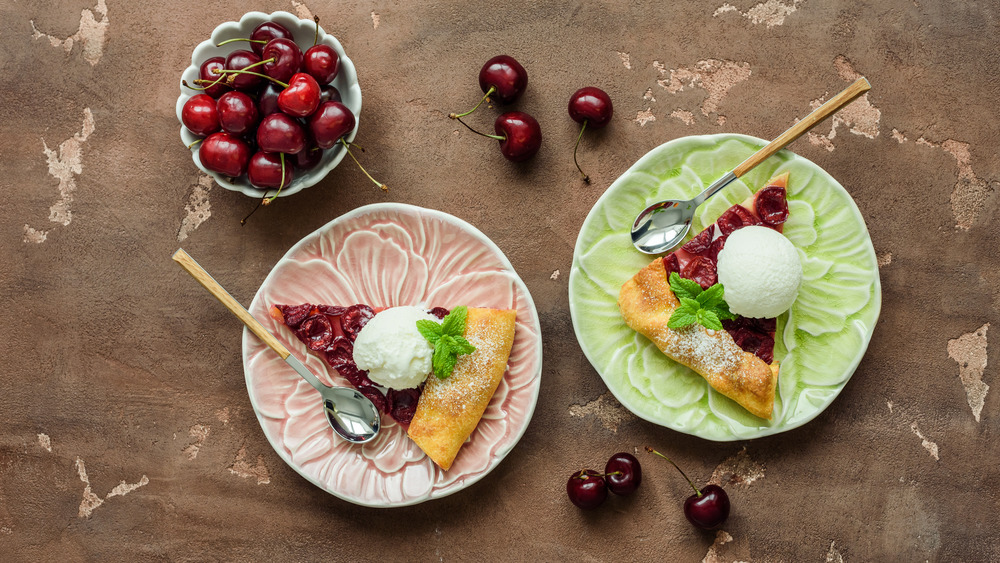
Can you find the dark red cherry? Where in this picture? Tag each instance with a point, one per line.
(623, 473)
(301, 98)
(280, 133)
(265, 33)
(521, 134)
(710, 509)
(330, 123)
(321, 62)
(506, 76)
(587, 489)
(264, 170)
(207, 75)
(237, 113)
(287, 59)
(267, 100)
(238, 60)
(592, 105)
(225, 154)
(309, 157)
(200, 116)
(329, 94)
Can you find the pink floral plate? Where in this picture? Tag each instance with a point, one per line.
(387, 255)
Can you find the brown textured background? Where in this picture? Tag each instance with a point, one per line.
(127, 433)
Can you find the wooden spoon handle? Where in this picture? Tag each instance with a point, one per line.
(220, 293)
(831, 106)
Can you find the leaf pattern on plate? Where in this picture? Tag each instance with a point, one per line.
(388, 255)
(820, 340)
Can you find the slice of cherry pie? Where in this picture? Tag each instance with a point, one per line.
(739, 361)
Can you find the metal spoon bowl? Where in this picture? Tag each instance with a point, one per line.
(664, 224)
(351, 415)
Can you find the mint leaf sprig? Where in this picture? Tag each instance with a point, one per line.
(447, 339)
(703, 306)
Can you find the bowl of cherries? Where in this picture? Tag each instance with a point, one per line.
(269, 105)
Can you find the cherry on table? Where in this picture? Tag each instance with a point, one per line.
(623, 473)
(708, 507)
(284, 58)
(587, 489)
(501, 77)
(591, 107)
(237, 112)
(269, 170)
(224, 153)
(520, 135)
(200, 115)
(280, 133)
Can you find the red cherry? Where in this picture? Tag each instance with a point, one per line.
(264, 170)
(200, 116)
(623, 473)
(287, 59)
(505, 76)
(301, 98)
(207, 75)
(591, 105)
(265, 33)
(280, 133)
(709, 509)
(521, 135)
(237, 113)
(331, 122)
(329, 94)
(587, 489)
(309, 157)
(238, 60)
(322, 63)
(267, 100)
(225, 154)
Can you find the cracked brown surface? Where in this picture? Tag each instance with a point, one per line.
(128, 434)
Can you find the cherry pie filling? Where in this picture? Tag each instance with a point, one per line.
(697, 259)
(330, 331)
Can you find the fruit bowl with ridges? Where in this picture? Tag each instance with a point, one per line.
(302, 32)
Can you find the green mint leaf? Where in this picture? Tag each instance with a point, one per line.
(711, 296)
(723, 312)
(681, 319)
(689, 305)
(709, 319)
(684, 288)
(429, 330)
(462, 346)
(454, 323)
(440, 360)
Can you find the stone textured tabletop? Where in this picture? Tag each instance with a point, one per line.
(127, 431)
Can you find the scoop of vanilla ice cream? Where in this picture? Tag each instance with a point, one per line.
(392, 350)
(760, 271)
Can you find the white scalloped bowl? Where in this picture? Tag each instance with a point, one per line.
(302, 31)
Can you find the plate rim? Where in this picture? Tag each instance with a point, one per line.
(532, 309)
(717, 138)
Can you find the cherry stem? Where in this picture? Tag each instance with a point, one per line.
(584, 475)
(259, 203)
(652, 451)
(316, 37)
(281, 155)
(486, 97)
(243, 71)
(261, 41)
(580, 136)
(202, 81)
(497, 137)
(347, 146)
(195, 143)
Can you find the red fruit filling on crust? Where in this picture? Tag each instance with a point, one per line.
(697, 259)
(330, 330)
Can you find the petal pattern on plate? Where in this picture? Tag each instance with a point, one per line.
(383, 255)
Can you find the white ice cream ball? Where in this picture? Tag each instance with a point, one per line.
(760, 271)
